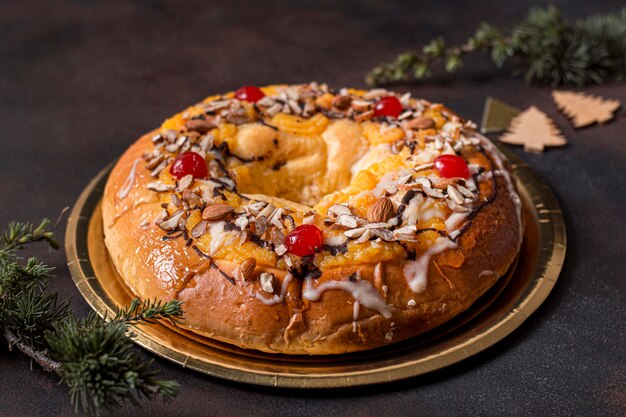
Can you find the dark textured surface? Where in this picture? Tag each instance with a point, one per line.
(80, 80)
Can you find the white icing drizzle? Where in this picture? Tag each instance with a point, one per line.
(130, 180)
(486, 273)
(416, 272)
(355, 315)
(277, 298)
(455, 220)
(362, 291)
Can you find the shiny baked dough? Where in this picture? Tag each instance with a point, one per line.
(306, 167)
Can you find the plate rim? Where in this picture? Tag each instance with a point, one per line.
(550, 223)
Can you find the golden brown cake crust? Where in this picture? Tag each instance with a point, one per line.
(169, 269)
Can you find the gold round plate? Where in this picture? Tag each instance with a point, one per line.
(491, 318)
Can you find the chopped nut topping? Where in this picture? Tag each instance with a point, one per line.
(173, 221)
(160, 187)
(347, 220)
(267, 282)
(199, 229)
(339, 209)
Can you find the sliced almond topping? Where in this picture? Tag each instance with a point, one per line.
(280, 250)
(455, 195)
(360, 105)
(156, 171)
(347, 220)
(354, 233)
(405, 115)
(364, 237)
(155, 161)
(423, 167)
(308, 219)
(339, 209)
(432, 192)
(448, 149)
(160, 187)
(375, 93)
(467, 193)
(364, 116)
(184, 182)
(216, 212)
(241, 222)
(273, 110)
(173, 221)
(266, 101)
(199, 229)
(268, 210)
(384, 234)
(381, 211)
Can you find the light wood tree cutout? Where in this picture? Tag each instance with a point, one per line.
(533, 129)
(585, 109)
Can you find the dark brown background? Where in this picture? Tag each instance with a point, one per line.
(80, 80)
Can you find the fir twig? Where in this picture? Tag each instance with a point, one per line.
(101, 367)
(545, 46)
(148, 311)
(39, 357)
(20, 234)
(94, 357)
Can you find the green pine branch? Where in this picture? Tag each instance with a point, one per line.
(543, 46)
(149, 311)
(101, 366)
(20, 234)
(94, 357)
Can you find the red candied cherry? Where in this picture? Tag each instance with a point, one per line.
(451, 166)
(388, 106)
(189, 163)
(304, 240)
(249, 93)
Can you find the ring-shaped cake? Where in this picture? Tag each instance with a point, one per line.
(305, 220)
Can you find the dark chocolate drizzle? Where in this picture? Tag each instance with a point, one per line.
(306, 269)
(214, 265)
(335, 249)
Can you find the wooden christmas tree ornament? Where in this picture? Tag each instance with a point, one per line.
(533, 129)
(585, 109)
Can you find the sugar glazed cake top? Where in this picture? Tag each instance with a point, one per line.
(300, 219)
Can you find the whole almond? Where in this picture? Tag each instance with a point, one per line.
(217, 212)
(341, 102)
(420, 123)
(246, 269)
(381, 211)
(199, 125)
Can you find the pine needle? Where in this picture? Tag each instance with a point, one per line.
(544, 47)
(94, 357)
